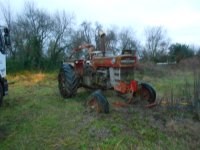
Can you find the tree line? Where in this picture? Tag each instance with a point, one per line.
(41, 40)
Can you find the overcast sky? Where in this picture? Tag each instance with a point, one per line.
(181, 18)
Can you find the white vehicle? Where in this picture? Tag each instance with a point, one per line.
(4, 41)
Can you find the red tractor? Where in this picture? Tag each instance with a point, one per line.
(103, 70)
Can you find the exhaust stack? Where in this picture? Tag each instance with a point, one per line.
(102, 38)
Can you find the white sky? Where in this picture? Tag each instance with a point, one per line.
(181, 18)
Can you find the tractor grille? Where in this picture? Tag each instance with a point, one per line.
(121, 74)
(127, 74)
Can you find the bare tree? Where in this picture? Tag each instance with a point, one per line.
(6, 13)
(157, 41)
(85, 34)
(33, 27)
(127, 39)
(87, 31)
(60, 35)
(111, 39)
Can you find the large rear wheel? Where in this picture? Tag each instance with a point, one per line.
(68, 81)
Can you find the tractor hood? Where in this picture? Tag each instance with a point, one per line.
(117, 61)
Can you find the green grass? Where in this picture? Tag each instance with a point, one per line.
(169, 80)
(34, 116)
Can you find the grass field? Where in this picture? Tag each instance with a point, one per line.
(34, 116)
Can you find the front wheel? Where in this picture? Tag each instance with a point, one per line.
(98, 102)
(147, 93)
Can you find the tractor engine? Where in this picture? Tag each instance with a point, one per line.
(106, 72)
(96, 78)
(103, 78)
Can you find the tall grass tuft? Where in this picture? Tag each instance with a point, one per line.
(196, 99)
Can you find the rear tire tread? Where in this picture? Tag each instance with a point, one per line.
(71, 81)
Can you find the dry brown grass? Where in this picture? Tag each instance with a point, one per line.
(27, 78)
(190, 63)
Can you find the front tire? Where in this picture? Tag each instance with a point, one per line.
(148, 93)
(68, 81)
(98, 102)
